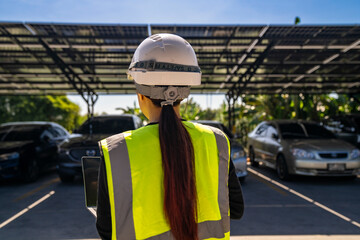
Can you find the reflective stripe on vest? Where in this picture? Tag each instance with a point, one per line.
(136, 189)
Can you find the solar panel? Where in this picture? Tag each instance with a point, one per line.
(44, 58)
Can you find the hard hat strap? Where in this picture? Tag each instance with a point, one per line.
(162, 66)
(169, 93)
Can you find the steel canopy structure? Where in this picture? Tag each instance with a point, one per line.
(92, 59)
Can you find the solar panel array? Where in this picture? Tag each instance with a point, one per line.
(39, 58)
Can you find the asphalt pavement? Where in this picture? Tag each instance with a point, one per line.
(304, 208)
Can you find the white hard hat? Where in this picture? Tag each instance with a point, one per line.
(165, 59)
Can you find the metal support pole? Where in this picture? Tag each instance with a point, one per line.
(230, 114)
(231, 100)
(91, 99)
(233, 119)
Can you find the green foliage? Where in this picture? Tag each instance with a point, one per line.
(190, 110)
(134, 110)
(40, 108)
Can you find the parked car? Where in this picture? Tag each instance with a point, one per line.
(303, 148)
(237, 152)
(346, 127)
(29, 148)
(85, 141)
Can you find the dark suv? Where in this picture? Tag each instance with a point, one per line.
(345, 127)
(85, 141)
(28, 148)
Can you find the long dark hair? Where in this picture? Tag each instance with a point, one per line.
(180, 199)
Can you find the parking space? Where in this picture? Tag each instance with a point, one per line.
(60, 216)
(339, 194)
(270, 210)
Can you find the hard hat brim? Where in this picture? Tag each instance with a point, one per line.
(162, 78)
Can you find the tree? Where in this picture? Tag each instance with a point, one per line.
(208, 114)
(40, 108)
(190, 110)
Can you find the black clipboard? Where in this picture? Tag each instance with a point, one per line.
(90, 168)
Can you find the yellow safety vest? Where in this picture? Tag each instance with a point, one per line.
(135, 183)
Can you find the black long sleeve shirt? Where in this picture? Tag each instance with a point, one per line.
(103, 222)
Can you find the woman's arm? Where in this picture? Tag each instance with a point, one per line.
(235, 194)
(103, 221)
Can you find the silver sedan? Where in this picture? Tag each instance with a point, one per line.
(302, 148)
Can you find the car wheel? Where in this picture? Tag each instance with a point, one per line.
(252, 158)
(281, 168)
(65, 178)
(31, 172)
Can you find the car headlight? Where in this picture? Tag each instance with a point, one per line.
(9, 156)
(237, 154)
(355, 154)
(303, 154)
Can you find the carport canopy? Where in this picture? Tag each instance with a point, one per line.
(92, 59)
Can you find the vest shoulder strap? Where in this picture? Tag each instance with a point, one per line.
(223, 145)
(120, 195)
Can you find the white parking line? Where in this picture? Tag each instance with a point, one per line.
(6, 222)
(305, 197)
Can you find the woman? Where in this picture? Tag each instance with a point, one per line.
(171, 179)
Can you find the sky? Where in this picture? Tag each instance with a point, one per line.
(244, 12)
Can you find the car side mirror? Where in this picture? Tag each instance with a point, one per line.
(275, 136)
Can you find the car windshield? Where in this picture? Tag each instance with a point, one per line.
(107, 125)
(292, 131)
(296, 131)
(317, 131)
(20, 133)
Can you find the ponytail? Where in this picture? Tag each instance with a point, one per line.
(180, 198)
